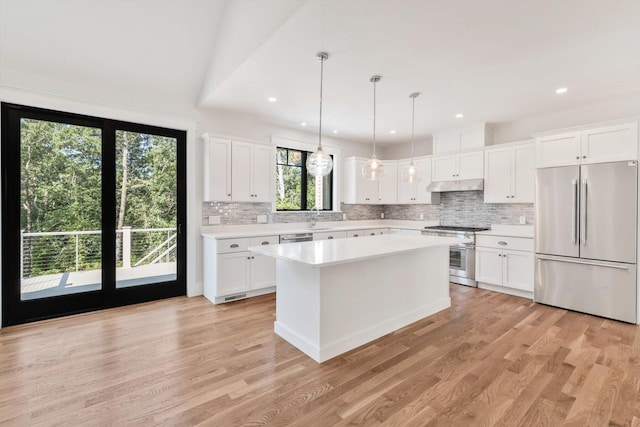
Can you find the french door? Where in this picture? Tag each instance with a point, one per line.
(93, 213)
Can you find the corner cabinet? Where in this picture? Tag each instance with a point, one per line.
(505, 264)
(416, 193)
(595, 145)
(509, 174)
(359, 190)
(237, 171)
(456, 167)
(231, 272)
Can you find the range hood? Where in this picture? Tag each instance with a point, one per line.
(462, 185)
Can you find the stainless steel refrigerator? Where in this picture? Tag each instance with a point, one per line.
(586, 226)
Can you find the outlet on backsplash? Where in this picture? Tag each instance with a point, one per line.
(523, 220)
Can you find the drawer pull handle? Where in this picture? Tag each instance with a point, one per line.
(264, 243)
(235, 245)
(355, 235)
(502, 242)
(330, 237)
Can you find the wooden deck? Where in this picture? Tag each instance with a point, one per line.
(84, 281)
(491, 359)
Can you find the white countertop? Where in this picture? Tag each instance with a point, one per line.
(257, 230)
(525, 231)
(322, 253)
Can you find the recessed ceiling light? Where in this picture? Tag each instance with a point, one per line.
(303, 124)
(272, 99)
(561, 90)
(335, 131)
(392, 132)
(459, 116)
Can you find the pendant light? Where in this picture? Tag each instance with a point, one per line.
(411, 174)
(320, 163)
(374, 168)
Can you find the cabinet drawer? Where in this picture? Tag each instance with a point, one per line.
(501, 242)
(226, 246)
(330, 235)
(357, 233)
(265, 240)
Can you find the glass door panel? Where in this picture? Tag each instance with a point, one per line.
(60, 209)
(146, 209)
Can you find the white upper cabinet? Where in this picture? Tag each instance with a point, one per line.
(462, 139)
(251, 172)
(415, 193)
(458, 167)
(509, 174)
(358, 189)
(388, 184)
(603, 144)
(217, 169)
(237, 171)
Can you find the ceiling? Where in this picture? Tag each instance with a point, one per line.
(493, 61)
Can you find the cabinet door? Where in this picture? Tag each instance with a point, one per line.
(558, 150)
(422, 195)
(518, 270)
(217, 170)
(489, 265)
(263, 160)
(610, 144)
(522, 174)
(366, 189)
(471, 165)
(263, 271)
(444, 168)
(497, 175)
(446, 142)
(241, 153)
(233, 273)
(407, 191)
(388, 184)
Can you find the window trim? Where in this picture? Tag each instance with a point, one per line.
(304, 179)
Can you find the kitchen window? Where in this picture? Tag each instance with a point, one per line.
(296, 190)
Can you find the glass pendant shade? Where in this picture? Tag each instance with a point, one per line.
(320, 163)
(411, 173)
(373, 169)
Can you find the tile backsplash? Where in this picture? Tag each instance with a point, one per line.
(465, 208)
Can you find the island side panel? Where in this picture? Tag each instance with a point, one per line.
(364, 300)
(298, 306)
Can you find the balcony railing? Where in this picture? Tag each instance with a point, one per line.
(46, 253)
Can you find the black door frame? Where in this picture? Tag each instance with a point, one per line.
(14, 310)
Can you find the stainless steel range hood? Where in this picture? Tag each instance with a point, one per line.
(462, 185)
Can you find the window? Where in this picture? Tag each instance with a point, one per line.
(295, 189)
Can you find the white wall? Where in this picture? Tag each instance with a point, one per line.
(422, 147)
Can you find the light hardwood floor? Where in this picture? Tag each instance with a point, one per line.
(491, 359)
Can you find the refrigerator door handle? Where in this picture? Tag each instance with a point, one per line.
(583, 214)
(574, 211)
(575, 261)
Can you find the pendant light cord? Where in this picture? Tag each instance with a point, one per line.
(320, 127)
(374, 117)
(413, 123)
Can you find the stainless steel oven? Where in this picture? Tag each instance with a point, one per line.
(462, 258)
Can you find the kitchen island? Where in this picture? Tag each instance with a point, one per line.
(335, 295)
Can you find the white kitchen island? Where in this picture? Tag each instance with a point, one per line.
(335, 295)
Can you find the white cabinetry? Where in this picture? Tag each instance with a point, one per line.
(359, 190)
(458, 167)
(597, 145)
(231, 272)
(330, 235)
(505, 264)
(509, 174)
(251, 172)
(237, 171)
(462, 139)
(415, 193)
(217, 169)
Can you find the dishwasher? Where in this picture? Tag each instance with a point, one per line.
(295, 238)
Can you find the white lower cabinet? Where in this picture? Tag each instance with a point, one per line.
(506, 270)
(330, 235)
(231, 272)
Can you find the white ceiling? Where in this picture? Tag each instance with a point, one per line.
(494, 61)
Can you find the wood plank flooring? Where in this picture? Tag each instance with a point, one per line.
(491, 359)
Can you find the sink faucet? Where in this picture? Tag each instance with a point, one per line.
(313, 220)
